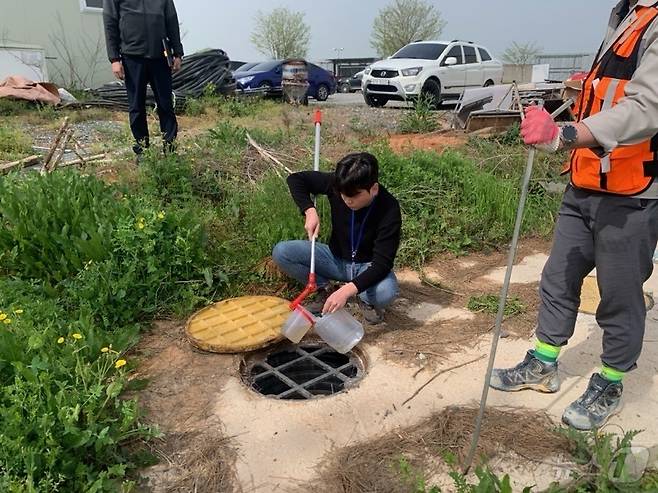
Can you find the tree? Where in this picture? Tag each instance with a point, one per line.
(521, 54)
(402, 22)
(281, 34)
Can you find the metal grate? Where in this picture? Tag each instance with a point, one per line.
(302, 372)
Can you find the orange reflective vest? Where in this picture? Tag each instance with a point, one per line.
(629, 169)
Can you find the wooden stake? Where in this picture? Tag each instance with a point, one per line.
(61, 153)
(53, 147)
(21, 163)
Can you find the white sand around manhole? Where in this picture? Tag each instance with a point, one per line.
(282, 442)
(527, 271)
(431, 312)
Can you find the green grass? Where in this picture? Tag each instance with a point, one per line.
(14, 143)
(228, 107)
(421, 120)
(488, 303)
(451, 203)
(79, 256)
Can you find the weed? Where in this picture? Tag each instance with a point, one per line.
(488, 303)
(608, 463)
(63, 424)
(227, 106)
(228, 136)
(13, 107)
(51, 225)
(119, 260)
(167, 177)
(412, 478)
(14, 144)
(449, 203)
(421, 120)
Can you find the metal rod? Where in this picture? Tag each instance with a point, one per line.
(316, 167)
(503, 299)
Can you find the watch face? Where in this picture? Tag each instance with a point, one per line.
(569, 133)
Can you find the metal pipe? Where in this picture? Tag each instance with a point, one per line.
(503, 298)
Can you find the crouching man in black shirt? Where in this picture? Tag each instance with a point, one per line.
(365, 236)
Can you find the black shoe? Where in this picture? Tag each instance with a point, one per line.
(140, 146)
(372, 314)
(169, 148)
(601, 400)
(532, 373)
(316, 305)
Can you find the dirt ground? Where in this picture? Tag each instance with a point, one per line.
(428, 326)
(437, 141)
(424, 366)
(194, 453)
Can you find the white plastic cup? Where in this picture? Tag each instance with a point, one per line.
(298, 324)
(340, 330)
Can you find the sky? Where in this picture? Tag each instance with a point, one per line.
(558, 26)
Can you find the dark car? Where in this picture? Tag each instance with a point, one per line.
(269, 75)
(351, 84)
(244, 67)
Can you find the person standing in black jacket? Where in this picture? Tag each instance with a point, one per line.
(365, 236)
(136, 33)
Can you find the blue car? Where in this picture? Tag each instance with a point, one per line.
(269, 75)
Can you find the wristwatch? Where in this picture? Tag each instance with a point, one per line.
(568, 136)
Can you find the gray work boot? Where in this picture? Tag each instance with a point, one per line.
(316, 304)
(371, 314)
(601, 400)
(532, 373)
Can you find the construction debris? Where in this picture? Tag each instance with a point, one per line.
(499, 107)
(21, 163)
(48, 159)
(18, 87)
(198, 71)
(54, 158)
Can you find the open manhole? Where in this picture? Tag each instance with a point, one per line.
(303, 371)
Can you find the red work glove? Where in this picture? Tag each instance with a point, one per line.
(538, 126)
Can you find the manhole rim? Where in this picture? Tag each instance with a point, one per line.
(244, 368)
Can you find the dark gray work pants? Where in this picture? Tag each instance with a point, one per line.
(617, 235)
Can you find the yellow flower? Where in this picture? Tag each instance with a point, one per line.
(120, 363)
(18, 312)
(60, 340)
(141, 225)
(7, 321)
(105, 350)
(161, 215)
(2, 316)
(77, 336)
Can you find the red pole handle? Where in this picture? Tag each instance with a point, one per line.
(317, 119)
(310, 288)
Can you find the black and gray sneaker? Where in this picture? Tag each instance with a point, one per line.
(372, 314)
(532, 373)
(316, 304)
(601, 400)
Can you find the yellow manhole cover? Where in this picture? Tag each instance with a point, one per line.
(590, 299)
(238, 324)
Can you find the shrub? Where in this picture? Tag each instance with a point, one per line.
(64, 427)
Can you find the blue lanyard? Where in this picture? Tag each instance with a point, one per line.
(355, 246)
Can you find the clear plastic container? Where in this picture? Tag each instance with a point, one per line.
(298, 324)
(340, 330)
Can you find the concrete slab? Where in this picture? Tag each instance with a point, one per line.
(527, 271)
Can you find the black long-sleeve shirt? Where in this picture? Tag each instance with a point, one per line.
(381, 233)
(137, 28)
